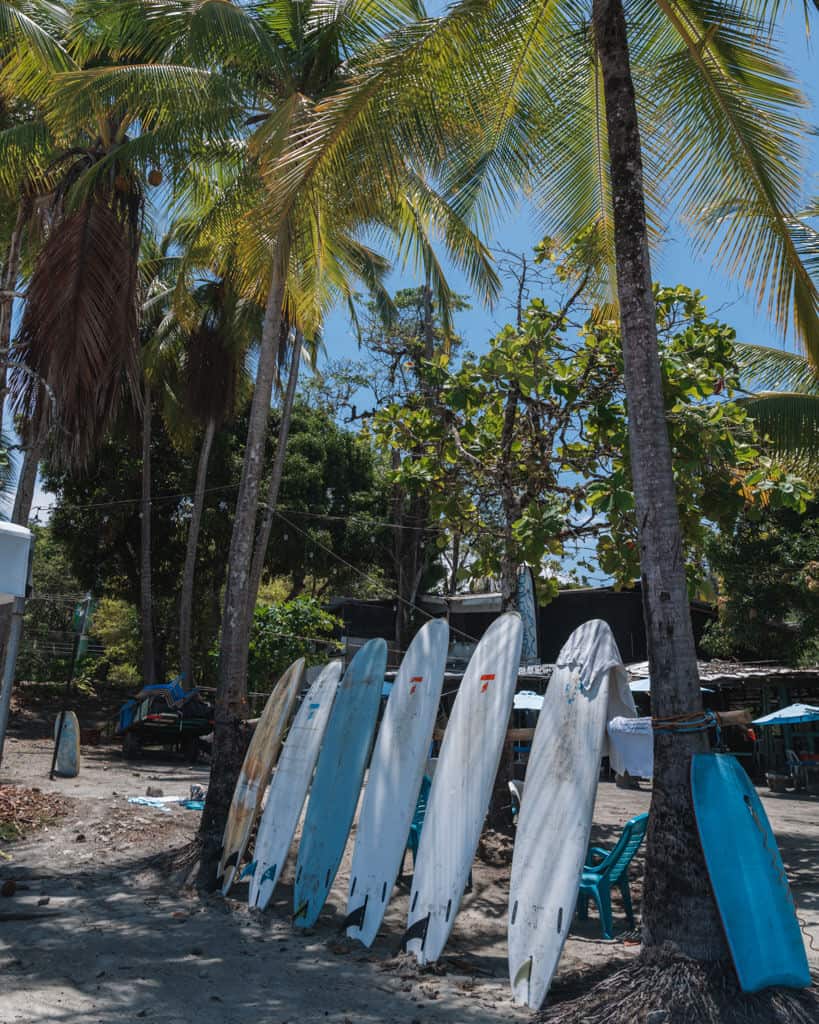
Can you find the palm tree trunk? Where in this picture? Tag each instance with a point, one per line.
(189, 572)
(11, 270)
(274, 485)
(145, 590)
(231, 695)
(678, 905)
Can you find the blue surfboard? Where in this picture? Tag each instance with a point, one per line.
(337, 782)
(749, 881)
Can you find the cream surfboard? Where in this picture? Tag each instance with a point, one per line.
(255, 774)
(460, 794)
(396, 770)
(337, 782)
(67, 740)
(291, 781)
(588, 686)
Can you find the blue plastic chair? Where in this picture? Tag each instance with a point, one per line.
(612, 869)
(414, 837)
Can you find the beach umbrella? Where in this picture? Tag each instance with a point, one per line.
(791, 715)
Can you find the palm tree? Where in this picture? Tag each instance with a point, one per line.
(213, 372)
(272, 67)
(78, 335)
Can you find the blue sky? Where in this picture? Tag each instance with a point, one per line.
(674, 263)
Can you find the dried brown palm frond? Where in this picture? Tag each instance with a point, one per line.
(215, 351)
(79, 335)
(212, 371)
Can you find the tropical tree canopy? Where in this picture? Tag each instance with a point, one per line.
(523, 451)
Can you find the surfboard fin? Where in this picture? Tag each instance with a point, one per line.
(232, 860)
(524, 974)
(416, 931)
(355, 919)
(301, 911)
(271, 871)
(249, 871)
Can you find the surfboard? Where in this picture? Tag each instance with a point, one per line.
(255, 774)
(587, 687)
(67, 740)
(396, 771)
(527, 608)
(337, 782)
(462, 787)
(291, 780)
(746, 872)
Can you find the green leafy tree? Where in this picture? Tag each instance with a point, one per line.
(48, 636)
(283, 632)
(333, 503)
(525, 448)
(770, 611)
(97, 519)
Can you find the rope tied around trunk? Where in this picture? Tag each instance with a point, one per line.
(699, 721)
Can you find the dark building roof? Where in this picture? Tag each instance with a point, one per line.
(471, 615)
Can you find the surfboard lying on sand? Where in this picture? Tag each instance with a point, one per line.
(255, 774)
(749, 881)
(67, 740)
(462, 787)
(396, 770)
(291, 781)
(337, 782)
(587, 687)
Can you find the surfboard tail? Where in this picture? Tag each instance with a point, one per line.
(355, 919)
(418, 930)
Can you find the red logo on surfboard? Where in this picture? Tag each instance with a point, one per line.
(414, 683)
(486, 680)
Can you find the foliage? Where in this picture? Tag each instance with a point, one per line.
(783, 398)
(326, 537)
(97, 519)
(48, 637)
(525, 448)
(768, 569)
(281, 633)
(115, 635)
(331, 505)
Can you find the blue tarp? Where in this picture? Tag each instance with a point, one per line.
(173, 692)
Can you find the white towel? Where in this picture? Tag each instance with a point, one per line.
(631, 746)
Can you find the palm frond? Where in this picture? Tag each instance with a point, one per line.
(736, 150)
(26, 156)
(36, 28)
(772, 369)
(78, 335)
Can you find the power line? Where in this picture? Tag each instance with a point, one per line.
(370, 579)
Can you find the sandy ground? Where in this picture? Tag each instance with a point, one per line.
(117, 942)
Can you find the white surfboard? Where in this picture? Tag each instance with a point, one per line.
(262, 754)
(67, 740)
(288, 790)
(459, 799)
(588, 686)
(396, 770)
